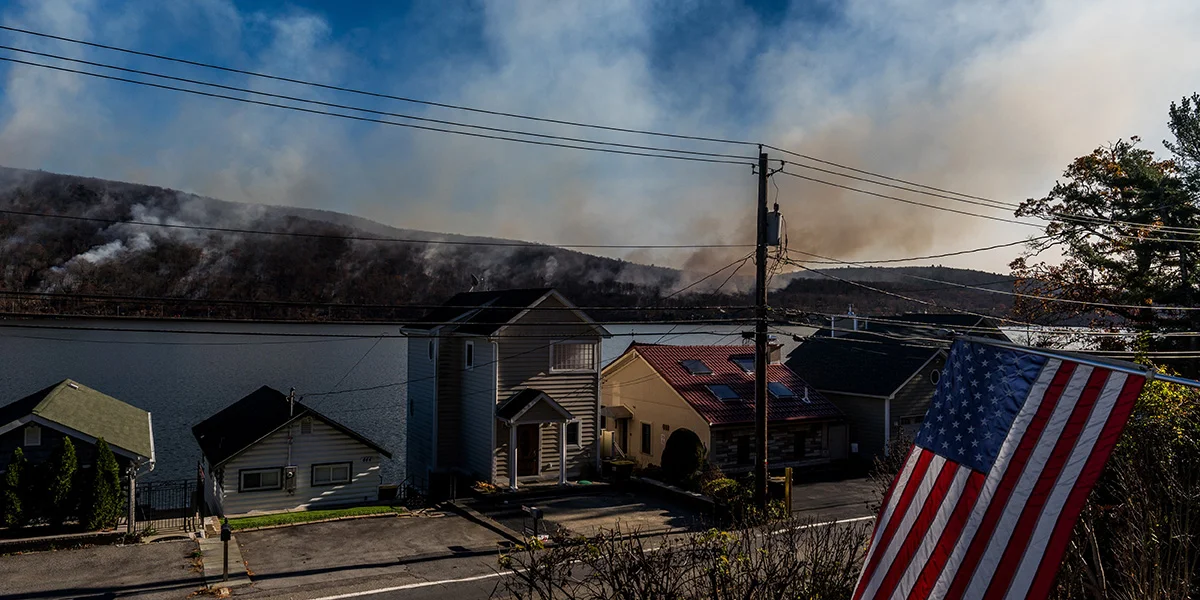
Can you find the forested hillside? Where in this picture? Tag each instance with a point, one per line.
(103, 248)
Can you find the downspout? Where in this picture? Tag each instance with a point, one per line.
(495, 402)
(596, 433)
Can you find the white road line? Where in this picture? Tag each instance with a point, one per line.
(412, 586)
(422, 584)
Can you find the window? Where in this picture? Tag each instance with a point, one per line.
(745, 362)
(935, 376)
(743, 450)
(723, 392)
(306, 425)
(799, 438)
(331, 474)
(469, 355)
(779, 390)
(33, 436)
(430, 349)
(257, 480)
(696, 367)
(572, 357)
(647, 431)
(573, 433)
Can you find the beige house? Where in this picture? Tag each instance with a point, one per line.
(653, 390)
(502, 378)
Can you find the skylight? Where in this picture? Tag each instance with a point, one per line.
(779, 390)
(745, 362)
(696, 367)
(723, 392)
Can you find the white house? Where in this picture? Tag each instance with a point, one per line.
(268, 453)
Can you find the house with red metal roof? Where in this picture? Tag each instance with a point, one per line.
(654, 390)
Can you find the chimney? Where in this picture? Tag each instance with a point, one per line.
(774, 351)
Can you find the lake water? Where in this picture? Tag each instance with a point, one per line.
(185, 375)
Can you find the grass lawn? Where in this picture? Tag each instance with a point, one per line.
(309, 515)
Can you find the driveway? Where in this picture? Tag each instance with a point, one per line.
(307, 560)
(588, 514)
(833, 500)
(157, 570)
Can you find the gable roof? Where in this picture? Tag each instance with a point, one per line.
(859, 363)
(89, 412)
(254, 417)
(919, 325)
(666, 361)
(520, 402)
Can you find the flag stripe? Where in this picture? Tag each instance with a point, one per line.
(1053, 450)
(1105, 442)
(928, 465)
(1038, 445)
(929, 522)
(948, 538)
(1033, 416)
(889, 507)
(1031, 557)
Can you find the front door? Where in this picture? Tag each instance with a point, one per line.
(622, 437)
(529, 440)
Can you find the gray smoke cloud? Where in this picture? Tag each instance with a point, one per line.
(988, 97)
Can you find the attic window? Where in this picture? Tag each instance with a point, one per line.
(696, 367)
(306, 425)
(779, 390)
(723, 393)
(745, 362)
(33, 436)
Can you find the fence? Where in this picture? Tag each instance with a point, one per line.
(167, 504)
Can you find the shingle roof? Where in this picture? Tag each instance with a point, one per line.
(521, 400)
(92, 413)
(694, 388)
(481, 313)
(257, 415)
(858, 363)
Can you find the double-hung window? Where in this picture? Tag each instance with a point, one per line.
(33, 435)
(331, 473)
(573, 356)
(257, 480)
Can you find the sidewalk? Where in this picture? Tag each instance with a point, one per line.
(212, 553)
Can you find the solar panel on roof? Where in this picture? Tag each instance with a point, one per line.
(696, 367)
(779, 390)
(723, 392)
(745, 362)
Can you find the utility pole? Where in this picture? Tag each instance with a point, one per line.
(761, 357)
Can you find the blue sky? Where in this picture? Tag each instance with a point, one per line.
(988, 97)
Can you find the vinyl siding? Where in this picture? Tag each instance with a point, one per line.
(422, 404)
(633, 384)
(324, 445)
(449, 401)
(865, 417)
(912, 400)
(478, 412)
(524, 362)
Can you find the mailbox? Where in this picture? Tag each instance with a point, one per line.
(532, 511)
(226, 532)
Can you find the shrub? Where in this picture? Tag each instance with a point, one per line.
(104, 505)
(60, 475)
(11, 513)
(682, 457)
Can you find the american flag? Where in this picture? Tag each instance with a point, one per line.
(1000, 469)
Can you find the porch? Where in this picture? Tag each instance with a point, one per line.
(526, 413)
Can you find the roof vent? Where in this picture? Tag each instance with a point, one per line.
(73, 385)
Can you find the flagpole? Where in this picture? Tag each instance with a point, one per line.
(1083, 359)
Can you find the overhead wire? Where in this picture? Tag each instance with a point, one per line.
(350, 90)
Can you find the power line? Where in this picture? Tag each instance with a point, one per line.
(369, 119)
(709, 276)
(894, 186)
(932, 256)
(1024, 295)
(376, 94)
(364, 238)
(373, 111)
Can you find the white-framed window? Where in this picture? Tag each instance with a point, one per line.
(259, 480)
(431, 349)
(33, 435)
(573, 433)
(331, 473)
(573, 356)
(469, 355)
(935, 376)
(306, 425)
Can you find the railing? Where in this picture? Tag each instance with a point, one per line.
(167, 505)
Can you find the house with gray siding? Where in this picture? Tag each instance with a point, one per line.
(874, 371)
(270, 453)
(498, 379)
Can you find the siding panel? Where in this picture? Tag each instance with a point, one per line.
(422, 404)
(478, 412)
(324, 445)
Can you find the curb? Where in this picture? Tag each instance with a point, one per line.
(485, 521)
(396, 514)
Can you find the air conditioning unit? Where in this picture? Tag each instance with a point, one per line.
(289, 479)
